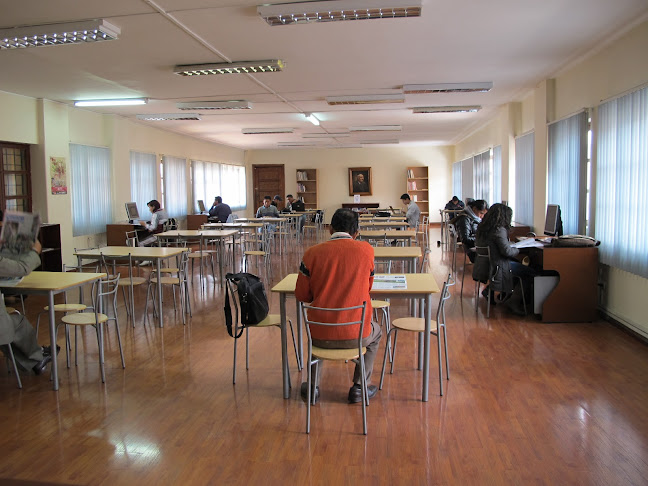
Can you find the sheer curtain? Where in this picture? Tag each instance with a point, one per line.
(175, 186)
(524, 146)
(567, 170)
(481, 171)
(622, 182)
(143, 180)
(497, 175)
(91, 189)
(206, 182)
(233, 187)
(467, 189)
(456, 179)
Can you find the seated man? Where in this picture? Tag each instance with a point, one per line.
(15, 328)
(413, 212)
(454, 204)
(219, 210)
(466, 224)
(276, 201)
(339, 273)
(295, 205)
(267, 210)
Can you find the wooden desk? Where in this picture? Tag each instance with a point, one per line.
(407, 254)
(116, 233)
(360, 205)
(419, 286)
(382, 224)
(407, 235)
(50, 284)
(195, 221)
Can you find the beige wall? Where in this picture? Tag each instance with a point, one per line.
(389, 173)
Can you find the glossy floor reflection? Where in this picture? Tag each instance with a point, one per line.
(527, 403)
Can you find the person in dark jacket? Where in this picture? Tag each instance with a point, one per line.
(493, 233)
(466, 224)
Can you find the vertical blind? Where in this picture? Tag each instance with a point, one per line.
(497, 175)
(212, 179)
(456, 179)
(524, 147)
(206, 182)
(175, 186)
(91, 189)
(622, 182)
(567, 170)
(233, 188)
(143, 180)
(481, 167)
(467, 178)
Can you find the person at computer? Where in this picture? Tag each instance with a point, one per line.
(466, 224)
(413, 213)
(493, 232)
(156, 225)
(454, 204)
(15, 328)
(295, 205)
(219, 210)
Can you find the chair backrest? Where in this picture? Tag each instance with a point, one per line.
(324, 310)
(445, 296)
(132, 239)
(481, 269)
(170, 224)
(231, 218)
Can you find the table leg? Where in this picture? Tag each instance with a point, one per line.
(421, 338)
(159, 288)
(52, 328)
(300, 344)
(426, 359)
(221, 255)
(284, 346)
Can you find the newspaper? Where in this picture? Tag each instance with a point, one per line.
(389, 282)
(19, 231)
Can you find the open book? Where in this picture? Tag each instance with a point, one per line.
(19, 231)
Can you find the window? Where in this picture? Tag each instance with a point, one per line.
(497, 175)
(234, 189)
(456, 179)
(206, 182)
(143, 179)
(622, 182)
(15, 191)
(482, 176)
(523, 211)
(467, 178)
(567, 170)
(91, 189)
(175, 186)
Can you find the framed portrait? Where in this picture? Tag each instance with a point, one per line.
(360, 181)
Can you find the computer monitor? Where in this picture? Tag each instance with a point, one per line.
(201, 206)
(131, 211)
(553, 222)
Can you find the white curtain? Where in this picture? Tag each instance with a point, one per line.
(175, 186)
(524, 147)
(497, 175)
(467, 189)
(233, 186)
(622, 182)
(481, 175)
(456, 179)
(206, 183)
(91, 189)
(143, 173)
(567, 170)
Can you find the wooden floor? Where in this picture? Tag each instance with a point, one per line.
(527, 403)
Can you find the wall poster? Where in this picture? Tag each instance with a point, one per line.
(58, 175)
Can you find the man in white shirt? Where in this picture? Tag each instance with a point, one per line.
(413, 212)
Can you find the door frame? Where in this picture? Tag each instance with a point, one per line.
(257, 197)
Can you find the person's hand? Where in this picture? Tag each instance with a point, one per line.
(143, 223)
(38, 248)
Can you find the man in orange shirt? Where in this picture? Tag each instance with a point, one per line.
(339, 273)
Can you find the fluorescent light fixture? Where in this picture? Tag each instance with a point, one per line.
(214, 105)
(377, 128)
(169, 116)
(337, 10)
(244, 67)
(446, 109)
(448, 88)
(311, 118)
(260, 131)
(326, 135)
(378, 142)
(298, 144)
(58, 34)
(365, 99)
(113, 102)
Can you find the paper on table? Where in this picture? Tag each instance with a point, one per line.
(389, 282)
(527, 243)
(10, 281)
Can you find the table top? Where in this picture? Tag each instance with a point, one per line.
(388, 233)
(197, 233)
(417, 284)
(47, 281)
(261, 220)
(383, 224)
(232, 225)
(397, 251)
(137, 252)
(381, 218)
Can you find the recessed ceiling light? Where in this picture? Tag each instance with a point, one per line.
(58, 34)
(214, 105)
(446, 109)
(261, 131)
(244, 67)
(298, 144)
(113, 102)
(169, 116)
(377, 128)
(338, 10)
(365, 99)
(448, 88)
(312, 118)
(378, 142)
(326, 135)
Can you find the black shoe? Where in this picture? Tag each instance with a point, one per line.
(304, 392)
(492, 295)
(42, 364)
(355, 393)
(47, 350)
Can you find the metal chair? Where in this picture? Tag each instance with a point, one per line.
(316, 354)
(417, 324)
(181, 281)
(65, 307)
(8, 350)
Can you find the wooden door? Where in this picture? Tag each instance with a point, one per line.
(268, 181)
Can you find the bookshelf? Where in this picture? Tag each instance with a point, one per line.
(50, 238)
(418, 187)
(307, 187)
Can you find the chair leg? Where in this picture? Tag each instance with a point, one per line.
(365, 394)
(292, 333)
(309, 380)
(445, 345)
(382, 373)
(247, 348)
(234, 364)
(391, 371)
(13, 363)
(100, 340)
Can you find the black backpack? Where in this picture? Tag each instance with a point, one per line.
(252, 299)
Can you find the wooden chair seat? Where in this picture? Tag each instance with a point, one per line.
(255, 253)
(66, 307)
(200, 254)
(166, 280)
(270, 320)
(11, 310)
(337, 354)
(379, 304)
(414, 324)
(125, 282)
(83, 319)
(170, 270)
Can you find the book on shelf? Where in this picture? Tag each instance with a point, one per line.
(410, 174)
(302, 175)
(19, 231)
(411, 185)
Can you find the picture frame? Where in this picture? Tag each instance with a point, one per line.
(360, 182)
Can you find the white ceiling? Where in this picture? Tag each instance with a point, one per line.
(513, 43)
